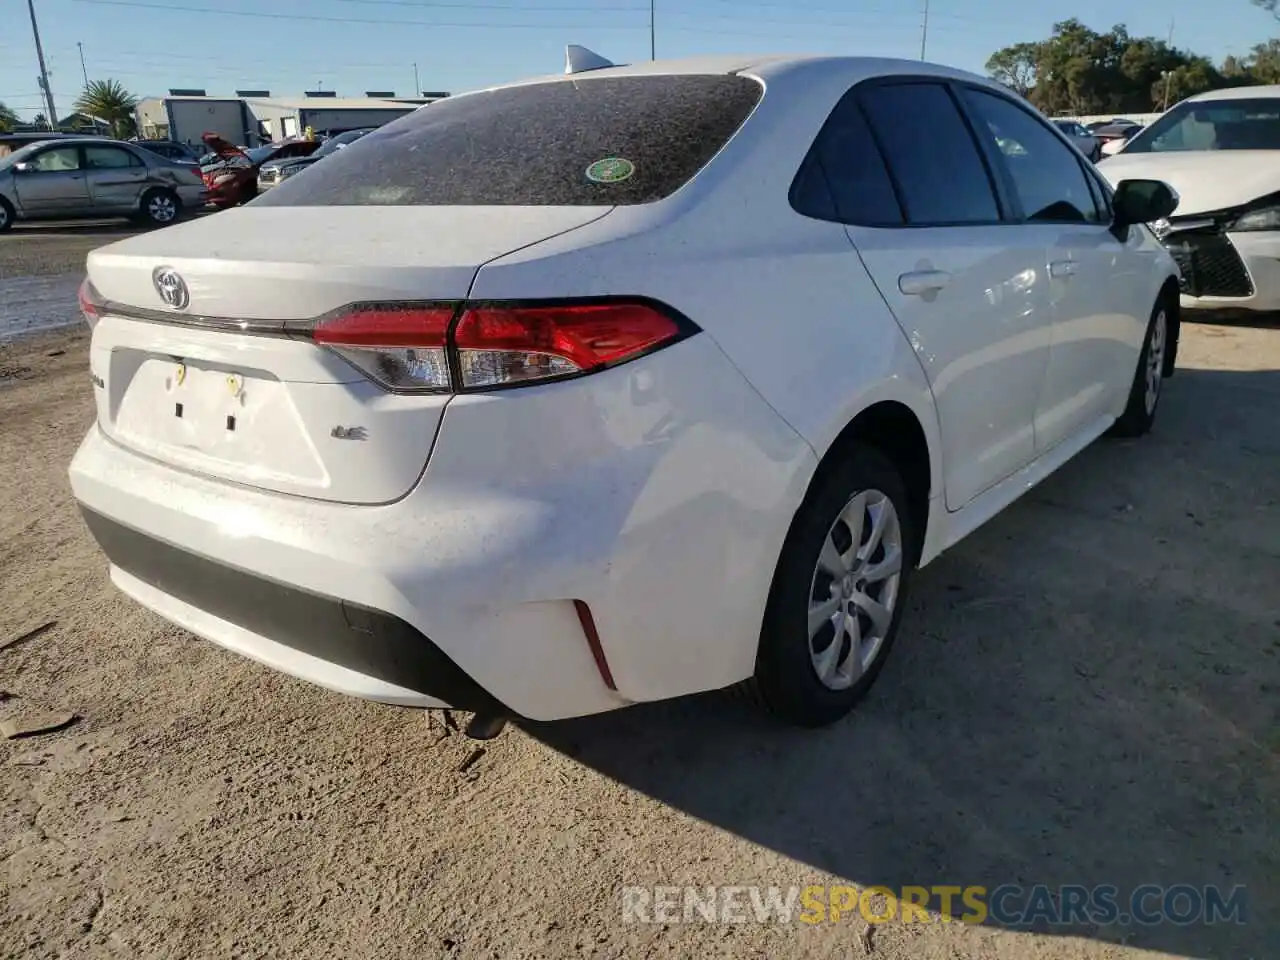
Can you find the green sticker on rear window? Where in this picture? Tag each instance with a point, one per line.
(610, 170)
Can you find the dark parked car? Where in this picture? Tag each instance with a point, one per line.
(170, 150)
(233, 177)
(272, 173)
(1113, 136)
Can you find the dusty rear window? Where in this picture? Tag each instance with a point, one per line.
(608, 140)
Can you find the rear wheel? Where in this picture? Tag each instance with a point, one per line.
(159, 208)
(838, 593)
(1148, 379)
(7, 215)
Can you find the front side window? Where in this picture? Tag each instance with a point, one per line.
(575, 142)
(1243, 124)
(940, 175)
(57, 160)
(1047, 176)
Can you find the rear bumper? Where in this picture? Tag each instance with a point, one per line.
(336, 643)
(657, 494)
(193, 195)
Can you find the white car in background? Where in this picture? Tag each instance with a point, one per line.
(1221, 152)
(614, 387)
(1085, 141)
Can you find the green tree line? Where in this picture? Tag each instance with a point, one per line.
(1082, 72)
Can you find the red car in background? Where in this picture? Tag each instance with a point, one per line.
(232, 177)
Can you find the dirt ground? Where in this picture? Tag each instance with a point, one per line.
(1087, 691)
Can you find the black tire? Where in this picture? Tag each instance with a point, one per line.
(7, 215)
(159, 208)
(786, 681)
(1140, 412)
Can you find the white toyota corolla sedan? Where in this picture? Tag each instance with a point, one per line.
(617, 386)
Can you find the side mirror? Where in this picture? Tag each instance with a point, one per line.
(1142, 201)
(22, 167)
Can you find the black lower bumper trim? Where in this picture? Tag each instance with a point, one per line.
(350, 635)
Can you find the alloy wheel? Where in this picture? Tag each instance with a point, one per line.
(1155, 360)
(854, 589)
(162, 208)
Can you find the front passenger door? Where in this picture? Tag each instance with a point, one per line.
(1094, 278)
(966, 287)
(51, 183)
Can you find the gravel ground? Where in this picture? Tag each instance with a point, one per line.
(1084, 693)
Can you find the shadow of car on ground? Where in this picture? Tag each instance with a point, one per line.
(1086, 691)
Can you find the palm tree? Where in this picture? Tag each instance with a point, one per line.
(8, 119)
(108, 100)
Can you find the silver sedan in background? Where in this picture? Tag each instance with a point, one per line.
(1085, 141)
(76, 177)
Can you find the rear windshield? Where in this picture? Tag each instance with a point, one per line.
(605, 140)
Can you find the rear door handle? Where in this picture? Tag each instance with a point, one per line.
(1062, 268)
(922, 282)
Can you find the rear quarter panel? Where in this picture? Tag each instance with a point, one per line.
(796, 325)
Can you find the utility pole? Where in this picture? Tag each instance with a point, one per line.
(417, 87)
(653, 45)
(924, 30)
(44, 72)
(1168, 75)
(82, 66)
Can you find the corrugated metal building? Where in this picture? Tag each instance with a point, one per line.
(281, 117)
(254, 116)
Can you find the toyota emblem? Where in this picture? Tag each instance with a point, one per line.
(171, 287)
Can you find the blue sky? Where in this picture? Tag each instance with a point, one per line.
(356, 45)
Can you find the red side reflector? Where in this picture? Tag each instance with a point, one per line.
(91, 303)
(593, 641)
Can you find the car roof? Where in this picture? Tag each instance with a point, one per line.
(39, 135)
(77, 138)
(792, 65)
(1238, 93)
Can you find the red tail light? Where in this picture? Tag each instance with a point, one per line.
(409, 346)
(401, 347)
(91, 303)
(499, 345)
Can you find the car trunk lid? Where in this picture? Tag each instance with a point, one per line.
(229, 385)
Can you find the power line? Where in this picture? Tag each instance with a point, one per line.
(378, 22)
(858, 24)
(431, 4)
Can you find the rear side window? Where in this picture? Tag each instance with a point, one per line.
(940, 175)
(858, 182)
(604, 140)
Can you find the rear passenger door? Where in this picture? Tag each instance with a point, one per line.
(116, 178)
(929, 221)
(1093, 278)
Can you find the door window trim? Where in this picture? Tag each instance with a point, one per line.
(1093, 180)
(1008, 210)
